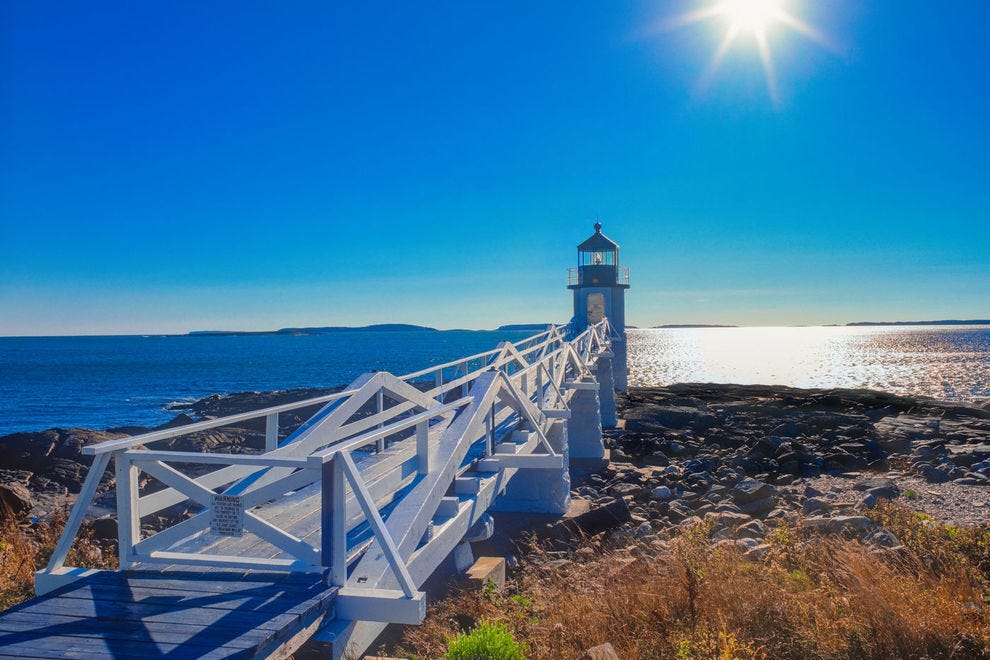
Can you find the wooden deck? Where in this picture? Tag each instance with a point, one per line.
(335, 527)
(151, 614)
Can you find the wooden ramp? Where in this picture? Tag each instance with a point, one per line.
(151, 614)
(332, 529)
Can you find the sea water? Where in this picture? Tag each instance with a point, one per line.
(944, 362)
(105, 382)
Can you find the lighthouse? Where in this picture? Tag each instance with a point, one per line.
(599, 284)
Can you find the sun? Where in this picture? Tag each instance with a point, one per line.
(749, 20)
(754, 15)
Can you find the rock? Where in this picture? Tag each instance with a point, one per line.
(879, 486)
(932, 474)
(726, 520)
(855, 523)
(758, 507)
(967, 455)
(650, 418)
(662, 493)
(643, 530)
(621, 489)
(15, 499)
(838, 524)
(105, 528)
(753, 528)
(815, 504)
(595, 521)
(759, 552)
(656, 458)
(749, 490)
(600, 652)
(883, 538)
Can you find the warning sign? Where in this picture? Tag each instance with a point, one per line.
(228, 515)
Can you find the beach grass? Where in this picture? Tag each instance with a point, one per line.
(25, 548)
(809, 597)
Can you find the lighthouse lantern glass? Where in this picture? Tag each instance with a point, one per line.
(598, 258)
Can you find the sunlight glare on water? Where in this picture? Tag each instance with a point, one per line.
(951, 363)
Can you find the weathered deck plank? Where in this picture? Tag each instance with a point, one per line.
(149, 614)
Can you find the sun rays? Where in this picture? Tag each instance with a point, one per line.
(747, 20)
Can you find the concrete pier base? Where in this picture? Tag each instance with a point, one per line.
(605, 375)
(538, 490)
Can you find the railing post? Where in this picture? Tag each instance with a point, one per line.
(271, 432)
(333, 529)
(380, 403)
(490, 431)
(128, 515)
(423, 446)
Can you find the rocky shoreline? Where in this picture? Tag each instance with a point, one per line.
(685, 451)
(43, 471)
(746, 459)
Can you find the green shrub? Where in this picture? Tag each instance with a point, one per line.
(489, 641)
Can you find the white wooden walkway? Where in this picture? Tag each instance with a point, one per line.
(339, 523)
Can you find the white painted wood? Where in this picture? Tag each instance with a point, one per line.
(165, 434)
(382, 534)
(128, 521)
(259, 460)
(509, 384)
(423, 446)
(169, 476)
(382, 605)
(338, 527)
(177, 533)
(281, 539)
(271, 431)
(78, 513)
(228, 561)
(528, 461)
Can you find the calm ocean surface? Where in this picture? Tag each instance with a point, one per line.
(102, 382)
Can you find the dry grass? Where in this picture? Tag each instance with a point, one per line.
(25, 549)
(811, 597)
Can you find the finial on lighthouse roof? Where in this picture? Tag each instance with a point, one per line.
(598, 227)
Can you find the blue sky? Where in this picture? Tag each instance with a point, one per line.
(166, 167)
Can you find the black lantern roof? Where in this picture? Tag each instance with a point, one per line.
(598, 242)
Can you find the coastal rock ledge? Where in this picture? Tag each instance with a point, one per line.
(745, 457)
(744, 453)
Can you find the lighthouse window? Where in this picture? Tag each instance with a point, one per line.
(598, 258)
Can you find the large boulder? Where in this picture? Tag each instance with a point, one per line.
(15, 499)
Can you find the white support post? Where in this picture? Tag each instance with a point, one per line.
(423, 446)
(377, 525)
(271, 432)
(540, 398)
(490, 431)
(380, 403)
(333, 528)
(61, 551)
(128, 519)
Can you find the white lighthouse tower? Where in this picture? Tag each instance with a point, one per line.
(599, 284)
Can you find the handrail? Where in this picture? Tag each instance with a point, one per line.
(320, 457)
(532, 372)
(165, 434)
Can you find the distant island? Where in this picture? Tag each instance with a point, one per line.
(945, 322)
(380, 327)
(693, 325)
(536, 327)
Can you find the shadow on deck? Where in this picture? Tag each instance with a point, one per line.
(181, 614)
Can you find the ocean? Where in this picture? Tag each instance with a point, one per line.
(105, 382)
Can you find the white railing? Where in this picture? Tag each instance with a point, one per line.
(475, 402)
